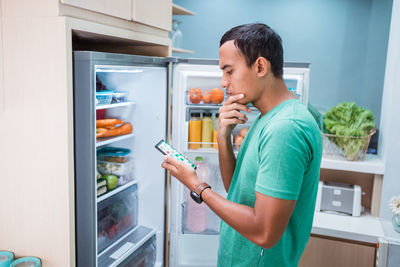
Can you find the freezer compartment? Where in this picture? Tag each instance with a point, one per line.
(132, 246)
(145, 256)
(116, 216)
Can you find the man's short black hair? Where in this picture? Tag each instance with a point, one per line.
(255, 40)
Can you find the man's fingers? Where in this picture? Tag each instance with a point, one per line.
(171, 168)
(234, 114)
(234, 106)
(234, 98)
(234, 121)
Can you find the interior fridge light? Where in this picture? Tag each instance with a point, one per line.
(119, 70)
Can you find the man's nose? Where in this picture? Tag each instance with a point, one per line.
(224, 82)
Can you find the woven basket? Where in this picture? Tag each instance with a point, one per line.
(350, 148)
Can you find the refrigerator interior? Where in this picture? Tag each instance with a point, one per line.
(194, 229)
(146, 87)
(117, 225)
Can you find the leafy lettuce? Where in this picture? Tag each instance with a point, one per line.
(349, 120)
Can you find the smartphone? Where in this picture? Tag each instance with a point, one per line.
(168, 150)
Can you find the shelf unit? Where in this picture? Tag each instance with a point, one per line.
(364, 228)
(178, 10)
(115, 105)
(182, 51)
(108, 140)
(115, 191)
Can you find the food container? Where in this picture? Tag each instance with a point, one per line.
(26, 262)
(119, 97)
(107, 167)
(6, 258)
(114, 154)
(104, 97)
(116, 216)
(350, 148)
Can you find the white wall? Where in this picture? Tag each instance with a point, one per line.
(389, 143)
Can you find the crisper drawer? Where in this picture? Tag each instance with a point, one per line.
(145, 256)
(116, 216)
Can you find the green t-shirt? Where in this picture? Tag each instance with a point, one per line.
(280, 157)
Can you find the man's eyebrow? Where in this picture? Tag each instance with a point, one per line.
(225, 66)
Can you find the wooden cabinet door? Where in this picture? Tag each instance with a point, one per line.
(117, 8)
(157, 13)
(337, 252)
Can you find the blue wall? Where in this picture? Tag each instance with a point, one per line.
(344, 40)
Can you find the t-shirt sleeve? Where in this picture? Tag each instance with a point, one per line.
(283, 155)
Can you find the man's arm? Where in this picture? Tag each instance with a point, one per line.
(229, 117)
(263, 225)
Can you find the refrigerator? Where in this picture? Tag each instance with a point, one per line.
(129, 211)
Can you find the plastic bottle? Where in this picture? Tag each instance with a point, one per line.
(194, 131)
(196, 215)
(215, 143)
(206, 130)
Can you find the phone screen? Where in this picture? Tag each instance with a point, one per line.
(168, 150)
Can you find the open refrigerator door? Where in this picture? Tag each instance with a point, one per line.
(194, 228)
(120, 112)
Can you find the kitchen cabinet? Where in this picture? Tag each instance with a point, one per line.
(156, 13)
(117, 8)
(332, 252)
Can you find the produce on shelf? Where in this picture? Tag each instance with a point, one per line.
(238, 139)
(206, 97)
(195, 95)
(112, 181)
(347, 120)
(125, 128)
(108, 122)
(217, 96)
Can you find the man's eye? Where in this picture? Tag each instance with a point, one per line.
(229, 72)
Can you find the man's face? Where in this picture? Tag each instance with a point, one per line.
(237, 77)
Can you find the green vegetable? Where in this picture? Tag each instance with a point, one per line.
(347, 119)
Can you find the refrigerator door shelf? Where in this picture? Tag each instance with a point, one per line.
(125, 247)
(109, 140)
(116, 105)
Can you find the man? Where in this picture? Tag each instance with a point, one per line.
(272, 185)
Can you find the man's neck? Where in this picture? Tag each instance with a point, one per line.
(272, 95)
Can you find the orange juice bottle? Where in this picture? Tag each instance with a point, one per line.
(194, 131)
(206, 130)
(215, 143)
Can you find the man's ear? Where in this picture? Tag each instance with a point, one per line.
(263, 66)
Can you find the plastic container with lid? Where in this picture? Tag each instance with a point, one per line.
(119, 96)
(104, 97)
(119, 169)
(6, 257)
(114, 154)
(26, 262)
